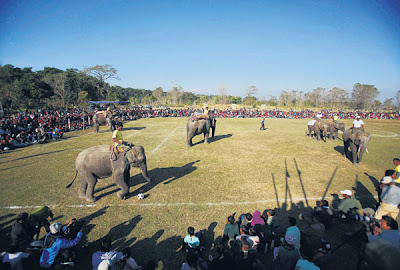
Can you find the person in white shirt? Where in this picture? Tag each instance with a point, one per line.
(358, 124)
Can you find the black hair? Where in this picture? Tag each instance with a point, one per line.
(391, 222)
(249, 216)
(105, 245)
(231, 219)
(271, 212)
(253, 230)
(325, 203)
(191, 231)
(119, 124)
(389, 172)
(396, 159)
(22, 216)
(244, 228)
(127, 252)
(67, 255)
(292, 221)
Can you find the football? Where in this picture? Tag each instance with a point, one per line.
(140, 196)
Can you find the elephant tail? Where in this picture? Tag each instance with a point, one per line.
(70, 184)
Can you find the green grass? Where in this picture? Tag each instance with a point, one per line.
(197, 186)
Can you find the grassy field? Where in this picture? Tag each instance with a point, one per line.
(242, 170)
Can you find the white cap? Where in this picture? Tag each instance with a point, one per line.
(55, 227)
(386, 180)
(358, 116)
(346, 192)
(104, 265)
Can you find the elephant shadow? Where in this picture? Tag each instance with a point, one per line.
(133, 128)
(339, 148)
(215, 138)
(161, 175)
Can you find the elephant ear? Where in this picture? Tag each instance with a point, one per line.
(353, 137)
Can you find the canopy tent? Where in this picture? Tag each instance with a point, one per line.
(108, 102)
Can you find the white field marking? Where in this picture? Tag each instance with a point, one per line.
(136, 132)
(166, 138)
(297, 199)
(386, 136)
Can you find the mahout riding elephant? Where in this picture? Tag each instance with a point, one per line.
(94, 163)
(357, 141)
(319, 128)
(334, 128)
(102, 118)
(196, 126)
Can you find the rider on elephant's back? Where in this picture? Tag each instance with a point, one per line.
(117, 138)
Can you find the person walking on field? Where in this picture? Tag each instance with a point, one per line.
(262, 124)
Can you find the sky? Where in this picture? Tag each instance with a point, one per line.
(205, 45)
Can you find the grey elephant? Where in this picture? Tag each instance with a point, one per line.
(102, 118)
(319, 127)
(357, 141)
(94, 163)
(334, 128)
(196, 126)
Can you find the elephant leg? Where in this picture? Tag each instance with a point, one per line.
(120, 180)
(82, 189)
(361, 153)
(96, 126)
(91, 183)
(190, 135)
(206, 134)
(354, 153)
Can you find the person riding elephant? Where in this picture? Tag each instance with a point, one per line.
(94, 163)
(196, 126)
(333, 129)
(103, 118)
(357, 142)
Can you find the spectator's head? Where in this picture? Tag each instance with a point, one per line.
(290, 240)
(244, 229)
(346, 193)
(271, 212)
(190, 231)
(231, 219)
(21, 218)
(120, 126)
(127, 252)
(388, 223)
(55, 228)
(253, 230)
(249, 217)
(292, 221)
(387, 180)
(325, 203)
(105, 245)
(396, 161)
(391, 173)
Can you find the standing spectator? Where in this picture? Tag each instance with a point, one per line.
(390, 199)
(231, 229)
(388, 231)
(286, 255)
(127, 262)
(21, 234)
(38, 218)
(262, 124)
(190, 242)
(294, 231)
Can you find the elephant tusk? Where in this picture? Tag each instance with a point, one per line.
(366, 149)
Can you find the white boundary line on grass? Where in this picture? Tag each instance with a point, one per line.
(386, 136)
(298, 199)
(166, 138)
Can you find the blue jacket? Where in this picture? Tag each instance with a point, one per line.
(49, 254)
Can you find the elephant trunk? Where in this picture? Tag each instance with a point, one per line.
(143, 168)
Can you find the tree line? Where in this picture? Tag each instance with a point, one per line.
(24, 88)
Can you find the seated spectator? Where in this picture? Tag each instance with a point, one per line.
(190, 242)
(15, 258)
(390, 199)
(273, 227)
(349, 203)
(231, 229)
(388, 231)
(311, 237)
(194, 261)
(294, 231)
(257, 219)
(127, 262)
(261, 232)
(253, 240)
(38, 218)
(54, 242)
(106, 258)
(286, 255)
(21, 233)
(245, 219)
(323, 213)
(306, 263)
(67, 258)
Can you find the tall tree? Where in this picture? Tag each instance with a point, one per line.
(250, 95)
(223, 95)
(102, 73)
(363, 96)
(158, 94)
(175, 94)
(397, 100)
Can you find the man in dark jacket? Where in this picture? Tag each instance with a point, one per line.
(21, 234)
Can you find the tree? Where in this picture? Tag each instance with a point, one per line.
(235, 99)
(158, 94)
(337, 97)
(102, 73)
(388, 103)
(175, 93)
(363, 96)
(82, 99)
(250, 95)
(397, 100)
(222, 95)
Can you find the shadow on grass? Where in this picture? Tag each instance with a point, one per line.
(339, 149)
(133, 128)
(363, 195)
(9, 168)
(38, 155)
(214, 139)
(161, 175)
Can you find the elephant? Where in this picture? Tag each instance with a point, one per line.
(334, 128)
(196, 126)
(318, 127)
(357, 141)
(94, 163)
(102, 118)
